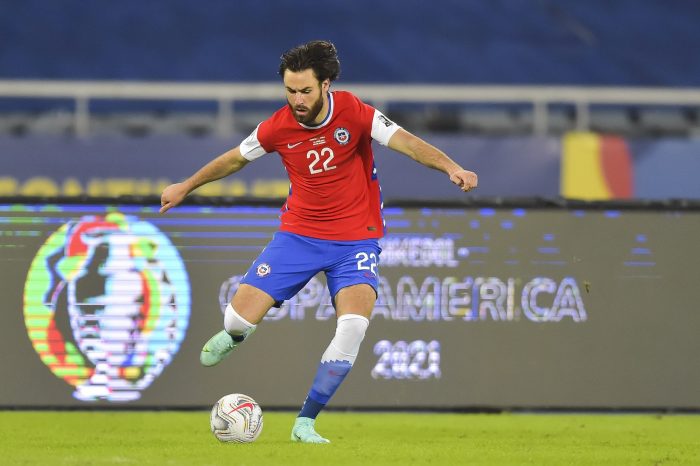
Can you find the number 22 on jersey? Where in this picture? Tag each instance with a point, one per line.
(320, 162)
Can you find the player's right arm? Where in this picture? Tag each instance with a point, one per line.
(224, 165)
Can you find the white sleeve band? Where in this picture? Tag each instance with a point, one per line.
(383, 128)
(251, 148)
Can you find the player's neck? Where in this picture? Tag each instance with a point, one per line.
(323, 114)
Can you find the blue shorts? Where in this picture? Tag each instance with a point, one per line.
(289, 261)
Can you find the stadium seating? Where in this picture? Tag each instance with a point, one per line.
(510, 42)
(596, 42)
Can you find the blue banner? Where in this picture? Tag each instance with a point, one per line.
(666, 168)
(111, 166)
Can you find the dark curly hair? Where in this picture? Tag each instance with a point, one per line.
(319, 55)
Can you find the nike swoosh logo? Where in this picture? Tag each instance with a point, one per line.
(292, 146)
(241, 406)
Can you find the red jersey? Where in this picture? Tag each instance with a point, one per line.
(334, 191)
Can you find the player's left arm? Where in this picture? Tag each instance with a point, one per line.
(430, 156)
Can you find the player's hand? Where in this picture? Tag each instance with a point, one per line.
(172, 196)
(465, 179)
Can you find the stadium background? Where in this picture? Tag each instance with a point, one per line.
(565, 281)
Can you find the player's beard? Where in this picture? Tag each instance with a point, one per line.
(311, 114)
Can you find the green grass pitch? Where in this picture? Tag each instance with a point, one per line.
(367, 439)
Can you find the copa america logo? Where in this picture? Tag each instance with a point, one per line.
(106, 305)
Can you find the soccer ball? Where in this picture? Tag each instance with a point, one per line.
(236, 418)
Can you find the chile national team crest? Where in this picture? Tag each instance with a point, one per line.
(263, 270)
(342, 135)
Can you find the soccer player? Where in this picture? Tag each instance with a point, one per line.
(332, 218)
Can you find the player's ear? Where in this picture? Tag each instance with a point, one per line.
(325, 85)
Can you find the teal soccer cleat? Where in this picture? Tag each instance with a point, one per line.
(304, 432)
(217, 348)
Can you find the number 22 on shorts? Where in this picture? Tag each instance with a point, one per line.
(367, 262)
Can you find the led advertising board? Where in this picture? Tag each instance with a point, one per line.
(109, 305)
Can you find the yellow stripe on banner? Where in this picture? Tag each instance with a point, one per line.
(581, 169)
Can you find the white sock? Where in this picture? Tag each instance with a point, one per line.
(335, 363)
(237, 326)
(349, 333)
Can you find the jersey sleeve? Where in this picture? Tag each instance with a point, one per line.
(251, 147)
(383, 128)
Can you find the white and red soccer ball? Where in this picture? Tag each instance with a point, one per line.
(236, 418)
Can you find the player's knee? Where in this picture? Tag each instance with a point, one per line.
(236, 325)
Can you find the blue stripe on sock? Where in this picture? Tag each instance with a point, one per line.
(311, 408)
(329, 376)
